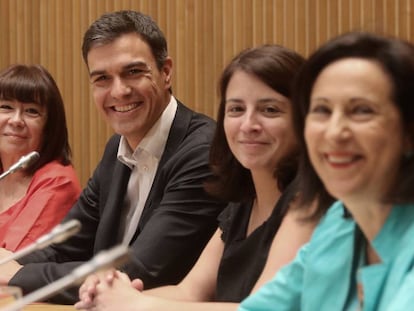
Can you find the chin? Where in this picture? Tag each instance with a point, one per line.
(341, 193)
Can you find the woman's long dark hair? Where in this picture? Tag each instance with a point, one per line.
(275, 66)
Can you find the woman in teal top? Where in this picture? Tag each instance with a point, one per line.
(354, 102)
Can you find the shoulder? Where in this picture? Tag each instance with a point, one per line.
(189, 139)
(332, 222)
(231, 211)
(112, 144)
(55, 169)
(111, 150)
(332, 236)
(396, 234)
(54, 175)
(193, 125)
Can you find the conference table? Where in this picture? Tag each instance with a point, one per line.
(44, 307)
(5, 301)
(48, 307)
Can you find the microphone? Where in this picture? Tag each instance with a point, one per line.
(58, 234)
(24, 162)
(104, 259)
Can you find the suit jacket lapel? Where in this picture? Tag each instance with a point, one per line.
(111, 217)
(177, 134)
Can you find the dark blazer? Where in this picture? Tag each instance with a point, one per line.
(177, 221)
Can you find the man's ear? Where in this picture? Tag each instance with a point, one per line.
(167, 69)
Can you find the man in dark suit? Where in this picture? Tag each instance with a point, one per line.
(147, 190)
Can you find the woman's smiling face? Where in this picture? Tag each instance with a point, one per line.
(353, 130)
(257, 123)
(21, 127)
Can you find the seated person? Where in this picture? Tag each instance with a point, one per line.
(354, 104)
(32, 118)
(254, 158)
(147, 191)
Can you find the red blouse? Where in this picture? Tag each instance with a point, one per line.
(53, 190)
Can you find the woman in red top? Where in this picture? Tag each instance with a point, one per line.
(32, 118)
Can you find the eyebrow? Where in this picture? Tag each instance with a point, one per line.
(126, 67)
(319, 98)
(271, 100)
(350, 100)
(264, 100)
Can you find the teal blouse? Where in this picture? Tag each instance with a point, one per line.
(324, 273)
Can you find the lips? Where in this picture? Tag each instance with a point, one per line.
(252, 142)
(341, 159)
(14, 135)
(125, 108)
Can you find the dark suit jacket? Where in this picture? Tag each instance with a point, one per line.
(177, 221)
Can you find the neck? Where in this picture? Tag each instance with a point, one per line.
(267, 194)
(12, 189)
(370, 216)
(267, 191)
(7, 162)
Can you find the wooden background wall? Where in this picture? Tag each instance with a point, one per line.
(202, 34)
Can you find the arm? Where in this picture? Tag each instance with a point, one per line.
(50, 195)
(200, 282)
(198, 285)
(121, 296)
(41, 268)
(283, 291)
(293, 233)
(55, 205)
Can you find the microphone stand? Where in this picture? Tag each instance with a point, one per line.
(59, 234)
(24, 162)
(104, 259)
(4, 174)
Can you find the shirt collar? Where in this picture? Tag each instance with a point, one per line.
(154, 141)
(396, 232)
(392, 236)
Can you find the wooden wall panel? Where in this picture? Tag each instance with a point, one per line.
(203, 35)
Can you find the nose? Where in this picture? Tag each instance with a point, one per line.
(250, 122)
(120, 89)
(16, 118)
(338, 127)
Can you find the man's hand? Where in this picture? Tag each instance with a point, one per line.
(88, 289)
(118, 294)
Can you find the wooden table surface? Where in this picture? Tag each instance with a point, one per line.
(48, 307)
(43, 307)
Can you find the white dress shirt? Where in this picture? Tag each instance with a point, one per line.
(143, 162)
